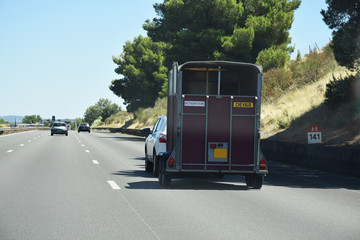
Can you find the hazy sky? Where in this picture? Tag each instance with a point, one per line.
(56, 56)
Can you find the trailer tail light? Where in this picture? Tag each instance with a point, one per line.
(212, 145)
(262, 164)
(162, 138)
(171, 162)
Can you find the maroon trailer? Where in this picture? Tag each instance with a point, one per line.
(213, 121)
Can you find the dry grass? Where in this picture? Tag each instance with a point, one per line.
(278, 115)
(148, 116)
(144, 117)
(118, 120)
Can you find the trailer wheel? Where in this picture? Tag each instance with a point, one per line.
(164, 180)
(254, 181)
(259, 179)
(250, 180)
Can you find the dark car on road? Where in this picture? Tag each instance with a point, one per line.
(59, 128)
(84, 127)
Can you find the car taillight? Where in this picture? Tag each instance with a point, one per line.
(171, 162)
(262, 164)
(162, 138)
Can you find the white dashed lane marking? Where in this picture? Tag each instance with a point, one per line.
(95, 162)
(21, 145)
(87, 151)
(9, 151)
(113, 185)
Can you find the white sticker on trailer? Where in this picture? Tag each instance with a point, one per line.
(194, 103)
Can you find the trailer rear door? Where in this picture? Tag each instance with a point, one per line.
(218, 133)
(219, 119)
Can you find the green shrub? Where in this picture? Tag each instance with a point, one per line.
(297, 73)
(285, 120)
(272, 58)
(338, 91)
(276, 81)
(282, 123)
(314, 66)
(96, 123)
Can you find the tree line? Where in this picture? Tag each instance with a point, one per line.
(255, 31)
(100, 111)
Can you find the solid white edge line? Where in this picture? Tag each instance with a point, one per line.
(113, 185)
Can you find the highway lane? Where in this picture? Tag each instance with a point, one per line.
(93, 186)
(14, 141)
(53, 191)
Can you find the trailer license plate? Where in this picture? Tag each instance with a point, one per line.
(243, 105)
(220, 153)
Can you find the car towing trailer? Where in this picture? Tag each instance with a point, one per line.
(213, 121)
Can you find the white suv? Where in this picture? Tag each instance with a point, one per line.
(155, 144)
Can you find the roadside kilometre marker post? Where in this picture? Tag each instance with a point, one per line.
(314, 134)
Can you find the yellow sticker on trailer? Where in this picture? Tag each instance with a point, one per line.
(243, 104)
(220, 153)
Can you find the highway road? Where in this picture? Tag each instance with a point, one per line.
(94, 186)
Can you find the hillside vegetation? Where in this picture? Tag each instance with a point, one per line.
(143, 117)
(293, 99)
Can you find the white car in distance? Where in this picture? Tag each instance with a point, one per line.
(155, 144)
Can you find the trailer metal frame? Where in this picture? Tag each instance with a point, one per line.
(189, 103)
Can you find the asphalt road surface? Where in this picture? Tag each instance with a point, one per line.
(94, 186)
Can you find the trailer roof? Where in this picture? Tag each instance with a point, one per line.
(214, 65)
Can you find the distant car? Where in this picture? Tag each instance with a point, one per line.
(59, 128)
(84, 127)
(155, 144)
